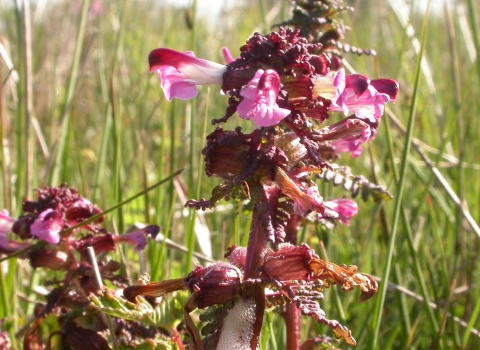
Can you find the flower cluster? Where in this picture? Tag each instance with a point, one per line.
(65, 224)
(56, 209)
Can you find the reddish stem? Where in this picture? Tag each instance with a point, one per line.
(256, 245)
(177, 339)
(292, 315)
(292, 322)
(259, 312)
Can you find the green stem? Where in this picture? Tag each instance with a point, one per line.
(399, 196)
(58, 152)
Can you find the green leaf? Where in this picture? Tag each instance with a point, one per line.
(166, 315)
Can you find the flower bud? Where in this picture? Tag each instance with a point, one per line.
(100, 243)
(52, 259)
(215, 284)
(79, 214)
(237, 256)
(21, 227)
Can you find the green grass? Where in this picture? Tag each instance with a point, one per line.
(86, 111)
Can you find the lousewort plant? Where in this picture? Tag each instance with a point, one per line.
(56, 240)
(305, 111)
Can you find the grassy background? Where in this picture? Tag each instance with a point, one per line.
(80, 107)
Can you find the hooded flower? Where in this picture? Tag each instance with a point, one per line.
(138, 238)
(348, 134)
(8, 246)
(356, 93)
(53, 259)
(346, 209)
(47, 226)
(181, 72)
(260, 99)
(352, 142)
(6, 223)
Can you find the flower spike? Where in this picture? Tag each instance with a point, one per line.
(287, 85)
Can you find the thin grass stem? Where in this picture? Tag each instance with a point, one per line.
(399, 195)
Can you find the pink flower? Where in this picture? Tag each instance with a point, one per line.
(47, 226)
(181, 72)
(96, 8)
(352, 146)
(351, 142)
(6, 223)
(138, 238)
(347, 135)
(357, 93)
(346, 209)
(260, 99)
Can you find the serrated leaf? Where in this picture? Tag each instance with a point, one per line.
(165, 315)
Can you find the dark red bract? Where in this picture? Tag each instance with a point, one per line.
(215, 284)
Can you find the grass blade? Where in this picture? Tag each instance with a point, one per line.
(398, 197)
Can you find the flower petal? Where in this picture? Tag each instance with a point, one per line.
(180, 72)
(6, 221)
(138, 238)
(200, 70)
(386, 86)
(175, 84)
(227, 55)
